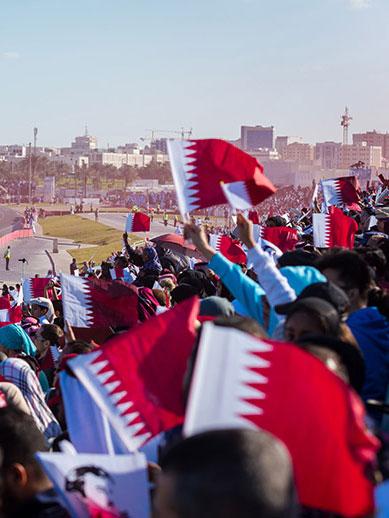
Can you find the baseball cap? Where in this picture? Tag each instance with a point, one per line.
(327, 291)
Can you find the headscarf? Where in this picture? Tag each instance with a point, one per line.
(15, 338)
(152, 262)
(17, 371)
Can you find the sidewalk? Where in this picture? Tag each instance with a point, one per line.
(38, 251)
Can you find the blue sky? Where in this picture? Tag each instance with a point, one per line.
(124, 66)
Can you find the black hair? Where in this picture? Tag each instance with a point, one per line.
(230, 473)
(297, 258)
(380, 299)
(75, 481)
(52, 333)
(245, 324)
(20, 439)
(351, 266)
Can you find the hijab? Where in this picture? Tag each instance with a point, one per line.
(152, 262)
(15, 338)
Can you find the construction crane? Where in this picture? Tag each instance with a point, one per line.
(183, 134)
(345, 123)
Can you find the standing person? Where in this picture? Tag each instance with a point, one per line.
(97, 214)
(73, 266)
(175, 220)
(165, 218)
(7, 257)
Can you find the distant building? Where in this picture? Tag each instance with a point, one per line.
(84, 143)
(256, 137)
(299, 153)
(373, 138)
(159, 146)
(283, 142)
(265, 154)
(327, 154)
(120, 159)
(13, 151)
(350, 154)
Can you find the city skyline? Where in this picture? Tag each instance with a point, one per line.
(208, 66)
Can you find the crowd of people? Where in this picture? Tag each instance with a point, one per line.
(331, 303)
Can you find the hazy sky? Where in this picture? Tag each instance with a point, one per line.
(124, 66)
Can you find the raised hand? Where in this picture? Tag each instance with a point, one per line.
(245, 231)
(198, 237)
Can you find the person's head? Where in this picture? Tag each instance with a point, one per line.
(91, 483)
(22, 474)
(245, 324)
(74, 260)
(226, 474)
(350, 272)
(323, 290)
(311, 316)
(14, 341)
(45, 336)
(42, 307)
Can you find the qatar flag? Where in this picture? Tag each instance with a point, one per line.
(97, 304)
(137, 222)
(9, 314)
(137, 377)
(341, 191)
(284, 238)
(34, 288)
(230, 248)
(334, 229)
(263, 384)
(213, 172)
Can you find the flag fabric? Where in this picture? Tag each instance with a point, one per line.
(334, 229)
(34, 288)
(253, 217)
(99, 486)
(137, 222)
(96, 435)
(230, 248)
(136, 378)
(93, 303)
(263, 384)
(9, 314)
(284, 238)
(212, 172)
(340, 191)
(122, 274)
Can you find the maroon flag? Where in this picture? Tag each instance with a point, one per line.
(212, 172)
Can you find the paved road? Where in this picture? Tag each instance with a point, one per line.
(118, 221)
(9, 220)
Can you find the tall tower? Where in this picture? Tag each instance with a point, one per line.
(345, 123)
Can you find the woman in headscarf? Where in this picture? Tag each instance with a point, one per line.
(18, 372)
(15, 341)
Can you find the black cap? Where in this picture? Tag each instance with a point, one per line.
(327, 291)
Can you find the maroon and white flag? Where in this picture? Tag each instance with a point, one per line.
(137, 377)
(340, 191)
(284, 238)
(34, 288)
(93, 303)
(9, 314)
(241, 381)
(212, 172)
(230, 248)
(333, 229)
(137, 222)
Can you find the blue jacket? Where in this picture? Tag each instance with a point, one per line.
(371, 330)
